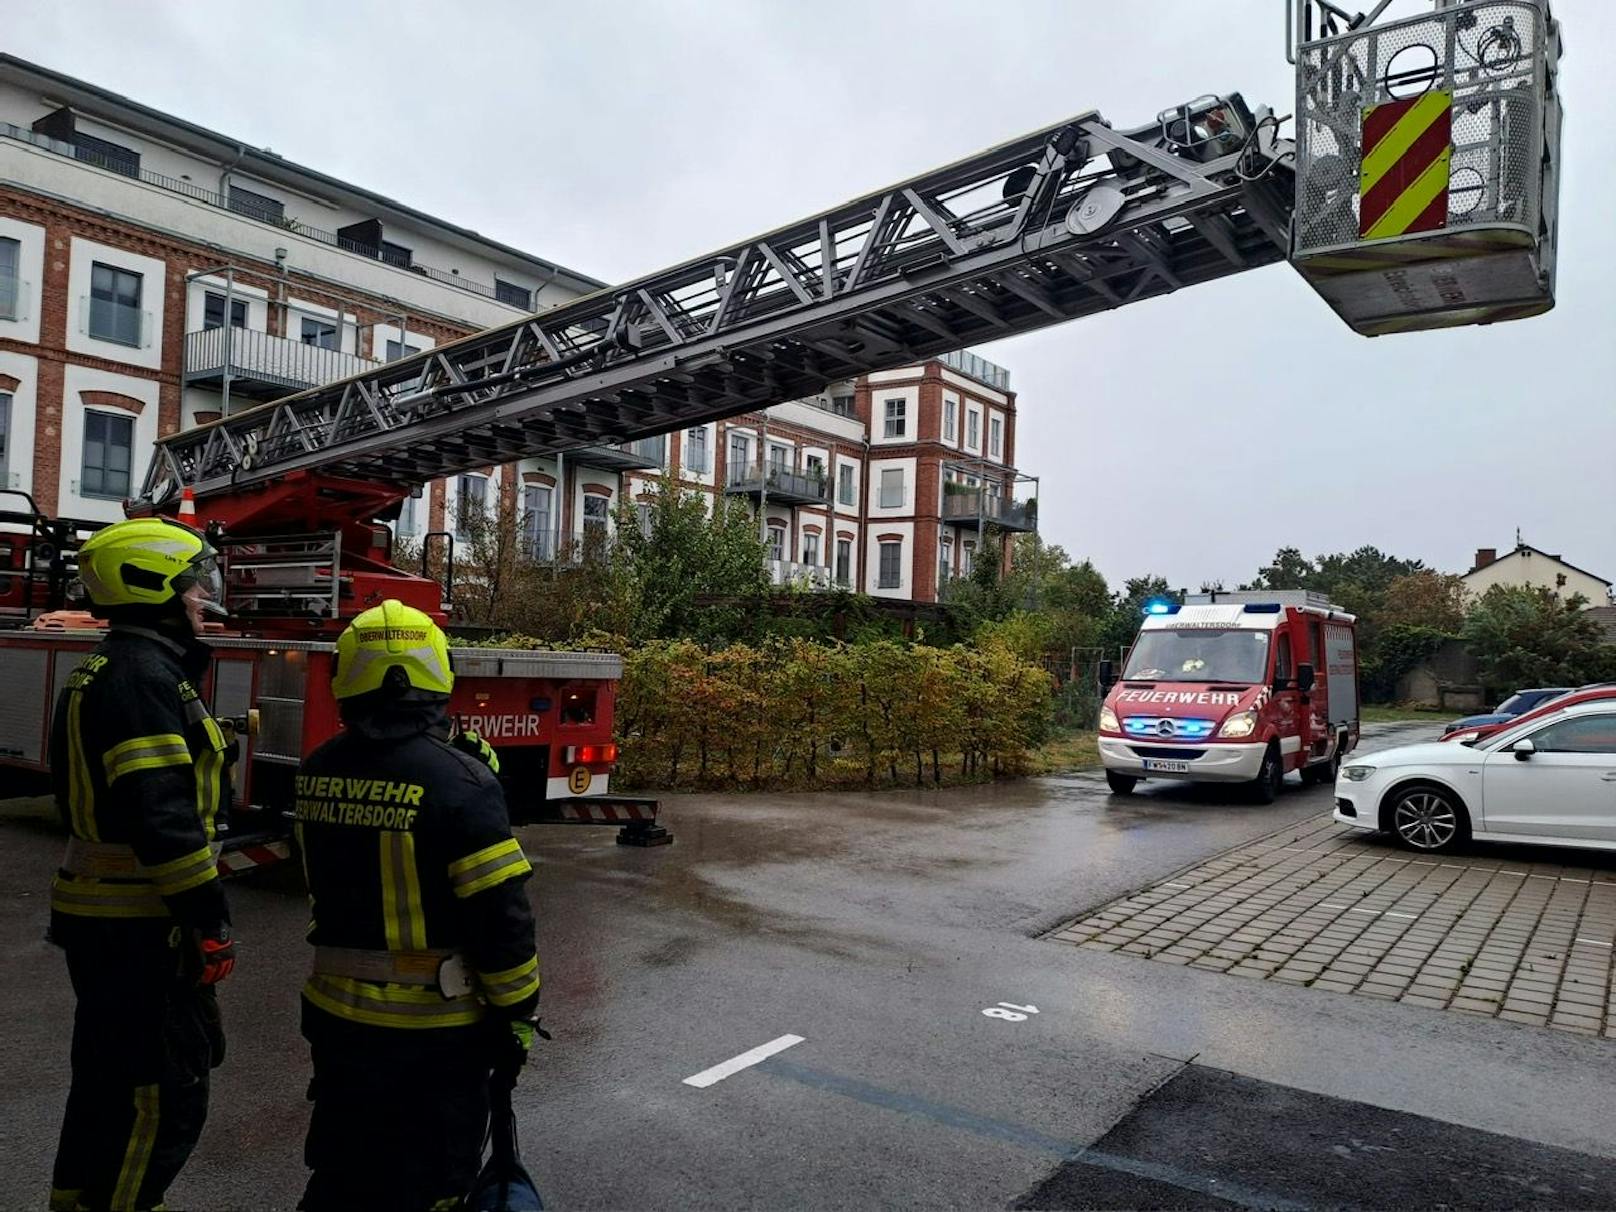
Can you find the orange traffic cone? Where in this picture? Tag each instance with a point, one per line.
(187, 513)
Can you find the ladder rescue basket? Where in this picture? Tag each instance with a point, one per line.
(1427, 167)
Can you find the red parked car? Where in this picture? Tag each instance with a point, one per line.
(1583, 694)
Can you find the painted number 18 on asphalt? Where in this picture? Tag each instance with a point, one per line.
(1010, 1012)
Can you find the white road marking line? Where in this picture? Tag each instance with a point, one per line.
(1170, 884)
(1566, 879)
(1330, 906)
(1410, 916)
(1593, 942)
(1542, 877)
(744, 1061)
(1356, 909)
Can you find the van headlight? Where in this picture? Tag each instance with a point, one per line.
(1241, 723)
(1108, 720)
(1356, 774)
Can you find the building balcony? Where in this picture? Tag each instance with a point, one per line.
(648, 454)
(807, 576)
(262, 366)
(266, 211)
(972, 505)
(780, 485)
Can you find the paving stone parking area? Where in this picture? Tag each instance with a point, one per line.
(1321, 905)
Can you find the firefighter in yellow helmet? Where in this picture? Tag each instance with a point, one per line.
(140, 769)
(425, 972)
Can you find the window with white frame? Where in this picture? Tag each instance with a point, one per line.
(471, 500)
(779, 458)
(538, 522)
(810, 549)
(967, 558)
(397, 350)
(115, 305)
(645, 517)
(597, 514)
(844, 561)
(890, 575)
(109, 441)
(740, 455)
(813, 466)
(897, 418)
(777, 542)
(213, 311)
(10, 284)
(950, 420)
(891, 488)
(973, 429)
(698, 458)
(321, 334)
(846, 484)
(409, 515)
(995, 436)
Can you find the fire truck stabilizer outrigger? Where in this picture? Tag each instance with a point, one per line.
(1419, 191)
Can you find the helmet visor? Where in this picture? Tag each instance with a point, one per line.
(204, 574)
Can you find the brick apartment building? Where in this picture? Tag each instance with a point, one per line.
(886, 484)
(155, 275)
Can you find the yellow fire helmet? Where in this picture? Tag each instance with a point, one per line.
(147, 562)
(386, 637)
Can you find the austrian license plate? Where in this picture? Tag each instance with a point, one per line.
(1167, 765)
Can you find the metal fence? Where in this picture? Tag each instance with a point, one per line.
(258, 355)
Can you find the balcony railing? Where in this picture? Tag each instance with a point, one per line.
(654, 449)
(972, 505)
(246, 210)
(783, 485)
(978, 367)
(807, 576)
(258, 360)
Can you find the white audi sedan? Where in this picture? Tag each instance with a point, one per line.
(1550, 781)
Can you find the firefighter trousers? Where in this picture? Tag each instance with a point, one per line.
(144, 1039)
(399, 1115)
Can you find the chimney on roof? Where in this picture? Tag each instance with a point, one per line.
(1484, 557)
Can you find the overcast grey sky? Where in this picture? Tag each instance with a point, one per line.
(1189, 436)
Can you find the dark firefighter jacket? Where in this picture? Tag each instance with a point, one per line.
(408, 851)
(140, 769)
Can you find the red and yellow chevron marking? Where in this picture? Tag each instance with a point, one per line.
(1403, 178)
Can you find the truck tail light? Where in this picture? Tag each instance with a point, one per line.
(591, 755)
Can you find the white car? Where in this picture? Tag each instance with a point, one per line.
(1551, 781)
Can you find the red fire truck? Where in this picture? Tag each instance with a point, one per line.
(1233, 688)
(1070, 220)
(314, 559)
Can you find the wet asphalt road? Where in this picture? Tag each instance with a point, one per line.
(879, 928)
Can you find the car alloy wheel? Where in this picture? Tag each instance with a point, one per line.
(1425, 819)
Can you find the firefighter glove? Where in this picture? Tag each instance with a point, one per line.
(218, 953)
(518, 1042)
(473, 743)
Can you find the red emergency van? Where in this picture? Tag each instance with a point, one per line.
(1233, 688)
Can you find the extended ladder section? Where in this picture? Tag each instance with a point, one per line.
(1069, 220)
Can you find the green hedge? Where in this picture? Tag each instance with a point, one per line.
(802, 714)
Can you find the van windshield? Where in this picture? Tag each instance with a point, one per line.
(1199, 656)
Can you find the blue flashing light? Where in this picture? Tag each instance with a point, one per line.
(1160, 606)
(1262, 607)
(1150, 728)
